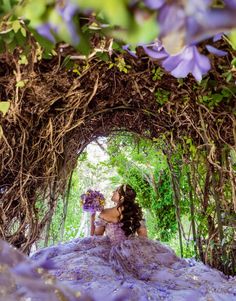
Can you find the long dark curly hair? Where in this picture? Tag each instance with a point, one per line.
(130, 212)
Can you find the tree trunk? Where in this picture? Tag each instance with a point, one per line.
(192, 209)
(65, 206)
(177, 196)
(52, 203)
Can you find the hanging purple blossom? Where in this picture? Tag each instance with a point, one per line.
(192, 21)
(218, 37)
(92, 201)
(67, 11)
(154, 4)
(176, 14)
(230, 3)
(216, 51)
(132, 53)
(188, 61)
(210, 23)
(156, 51)
(177, 50)
(46, 30)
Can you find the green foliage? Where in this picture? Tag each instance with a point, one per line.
(12, 35)
(113, 11)
(164, 209)
(228, 254)
(233, 39)
(211, 99)
(120, 64)
(162, 96)
(7, 5)
(191, 146)
(4, 107)
(45, 46)
(73, 216)
(157, 73)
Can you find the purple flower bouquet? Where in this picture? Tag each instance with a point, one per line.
(92, 201)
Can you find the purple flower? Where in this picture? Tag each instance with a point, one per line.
(46, 30)
(154, 4)
(218, 37)
(176, 14)
(67, 11)
(188, 61)
(184, 19)
(230, 3)
(156, 51)
(216, 51)
(191, 21)
(92, 201)
(210, 23)
(132, 53)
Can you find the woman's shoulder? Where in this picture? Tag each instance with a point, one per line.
(109, 214)
(109, 211)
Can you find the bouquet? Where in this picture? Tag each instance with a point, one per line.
(92, 201)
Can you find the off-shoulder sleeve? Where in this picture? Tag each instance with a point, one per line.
(99, 222)
(143, 223)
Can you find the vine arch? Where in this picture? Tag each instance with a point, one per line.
(57, 111)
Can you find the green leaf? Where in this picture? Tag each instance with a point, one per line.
(23, 60)
(16, 26)
(21, 41)
(46, 45)
(143, 32)
(1, 131)
(189, 141)
(2, 45)
(232, 37)
(33, 11)
(103, 56)
(23, 31)
(116, 46)
(233, 62)
(21, 83)
(67, 63)
(6, 5)
(83, 47)
(115, 11)
(4, 107)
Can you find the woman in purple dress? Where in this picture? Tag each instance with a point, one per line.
(119, 262)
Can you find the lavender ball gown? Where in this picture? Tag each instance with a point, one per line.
(114, 267)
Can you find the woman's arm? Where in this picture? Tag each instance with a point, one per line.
(97, 227)
(99, 230)
(92, 226)
(142, 231)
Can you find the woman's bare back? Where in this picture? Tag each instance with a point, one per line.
(112, 215)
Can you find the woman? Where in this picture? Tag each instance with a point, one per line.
(124, 261)
(126, 213)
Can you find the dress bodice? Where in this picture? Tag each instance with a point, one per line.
(112, 230)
